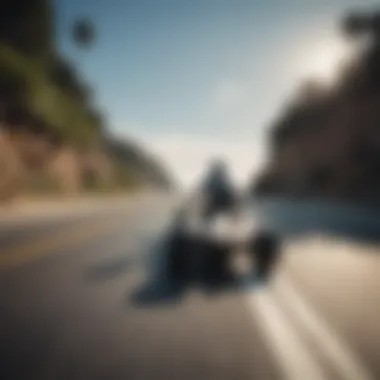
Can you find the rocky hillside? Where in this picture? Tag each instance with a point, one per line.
(326, 143)
(52, 136)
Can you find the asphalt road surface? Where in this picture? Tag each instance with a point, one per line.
(68, 307)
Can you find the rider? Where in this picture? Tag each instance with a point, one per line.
(218, 187)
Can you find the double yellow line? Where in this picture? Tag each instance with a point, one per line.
(61, 239)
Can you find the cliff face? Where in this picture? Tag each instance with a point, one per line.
(327, 143)
(52, 136)
(33, 164)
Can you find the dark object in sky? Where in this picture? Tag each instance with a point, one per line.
(84, 33)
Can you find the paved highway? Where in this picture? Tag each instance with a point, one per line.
(69, 306)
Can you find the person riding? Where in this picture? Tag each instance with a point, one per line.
(218, 187)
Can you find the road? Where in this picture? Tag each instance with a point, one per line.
(68, 307)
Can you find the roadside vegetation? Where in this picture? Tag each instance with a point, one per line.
(53, 137)
(326, 142)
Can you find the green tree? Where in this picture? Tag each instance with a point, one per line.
(27, 26)
(359, 24)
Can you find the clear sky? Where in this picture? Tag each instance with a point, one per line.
(193, 78)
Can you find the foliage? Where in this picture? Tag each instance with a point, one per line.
(355, 24)
(137, 164)
(27, 26)
(30, 85)
(41, 90)
(328, 144)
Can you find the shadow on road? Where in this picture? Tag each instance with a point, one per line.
(166, 293)
(161, 289)
(110, 269)
(157, 294)
(290, 219)
(156, 290)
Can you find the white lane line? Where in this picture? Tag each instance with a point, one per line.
(294, 359)
(340, 354)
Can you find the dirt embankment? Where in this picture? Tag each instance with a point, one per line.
(32, 164)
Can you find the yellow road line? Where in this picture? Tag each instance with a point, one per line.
(61, 239)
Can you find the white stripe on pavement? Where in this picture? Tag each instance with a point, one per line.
(294, 359)
(340, 354)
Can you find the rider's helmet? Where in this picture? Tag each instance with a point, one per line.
(218, 179)
(218, 167)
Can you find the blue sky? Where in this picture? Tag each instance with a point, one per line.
(193, 78)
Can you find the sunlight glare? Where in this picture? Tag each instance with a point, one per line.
(325, 60)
